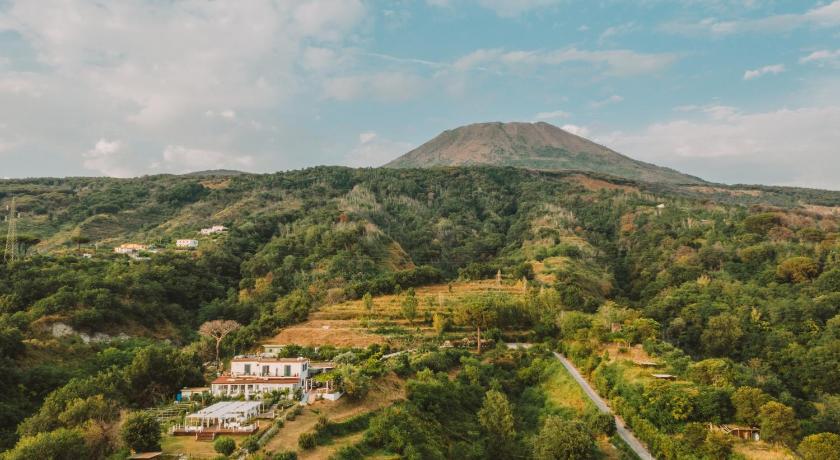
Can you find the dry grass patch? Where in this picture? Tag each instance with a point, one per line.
(762, 451)
(385, 391)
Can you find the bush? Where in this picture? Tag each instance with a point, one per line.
(251, 444)
(348, 453)
(323, 423)
(288, 455)
(307, 441)
(224, 445)
(599, 422)
(141, 432)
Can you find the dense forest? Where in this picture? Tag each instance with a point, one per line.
(737, 289)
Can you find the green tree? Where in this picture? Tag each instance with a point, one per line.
(224, 445)
(778, 423)
(409, 305)
(218, 330)
(61, 444)
(440, 323)
(722, 334)
(797, 269)
(563, 440)
(821, 446)
(496, 418)
(141, 432)
(367, 301)
(476, 313)
(747, 402)
(718, 445)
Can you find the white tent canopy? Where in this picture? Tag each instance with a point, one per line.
(226, 414)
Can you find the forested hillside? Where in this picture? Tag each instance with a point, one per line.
(742, 283)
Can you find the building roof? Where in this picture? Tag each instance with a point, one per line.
(261, 359)
(249, 379)
(227, 410)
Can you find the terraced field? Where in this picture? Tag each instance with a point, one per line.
(350, 324)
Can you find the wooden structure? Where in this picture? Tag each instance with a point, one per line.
(748, 433)
(664, 376)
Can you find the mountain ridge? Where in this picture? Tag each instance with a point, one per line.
(540, 145)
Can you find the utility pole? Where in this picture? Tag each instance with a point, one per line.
(11, 253)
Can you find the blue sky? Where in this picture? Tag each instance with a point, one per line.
(733, 91)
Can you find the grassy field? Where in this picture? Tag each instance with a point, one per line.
(385, 392)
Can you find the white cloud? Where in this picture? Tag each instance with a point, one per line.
(774, 69)
(180, 159)
(372, 151)
(145, 70)
(614, 99)
(785, 146)
(366, 137)
(383, 86)
(107, 158)
(827, 15)
(615, 31)
(822, 57)
(581, 131)
(513, 8)
(551, 115)
(618, 62)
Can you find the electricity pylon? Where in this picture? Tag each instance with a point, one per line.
(11, 253)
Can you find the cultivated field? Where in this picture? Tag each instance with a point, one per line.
(349, 324)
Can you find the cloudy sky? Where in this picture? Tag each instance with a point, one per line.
(734, 91)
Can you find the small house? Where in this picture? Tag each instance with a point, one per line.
(186, 244)
(187, 394)
(213, 230)
(747, 433)
(130, 248)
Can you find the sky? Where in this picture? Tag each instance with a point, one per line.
(733, 91)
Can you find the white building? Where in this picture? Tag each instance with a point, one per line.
(212, 230)
(130, 248)
(187, 244)
(255, 375)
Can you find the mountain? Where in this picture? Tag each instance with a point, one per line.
(534, 146)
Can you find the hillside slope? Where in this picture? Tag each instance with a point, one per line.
(534, 146)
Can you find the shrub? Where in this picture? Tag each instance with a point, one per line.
(348, 453)
(323, 423)
(288, 455)
(307, 441)
(141, 432)
(251, 444)
(224, 445)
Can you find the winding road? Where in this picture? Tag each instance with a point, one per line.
(625, 434)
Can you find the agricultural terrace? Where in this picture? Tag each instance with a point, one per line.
(351, 324)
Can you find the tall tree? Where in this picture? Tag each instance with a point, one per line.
(409, 305)
(496, 418)
(563, 440)
(476, 313)
(218, 330)
(778, 423)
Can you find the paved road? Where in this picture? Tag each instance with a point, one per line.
(625, 434)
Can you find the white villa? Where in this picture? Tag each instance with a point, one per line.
(186, 244)
(213, 229)
(255, 375)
